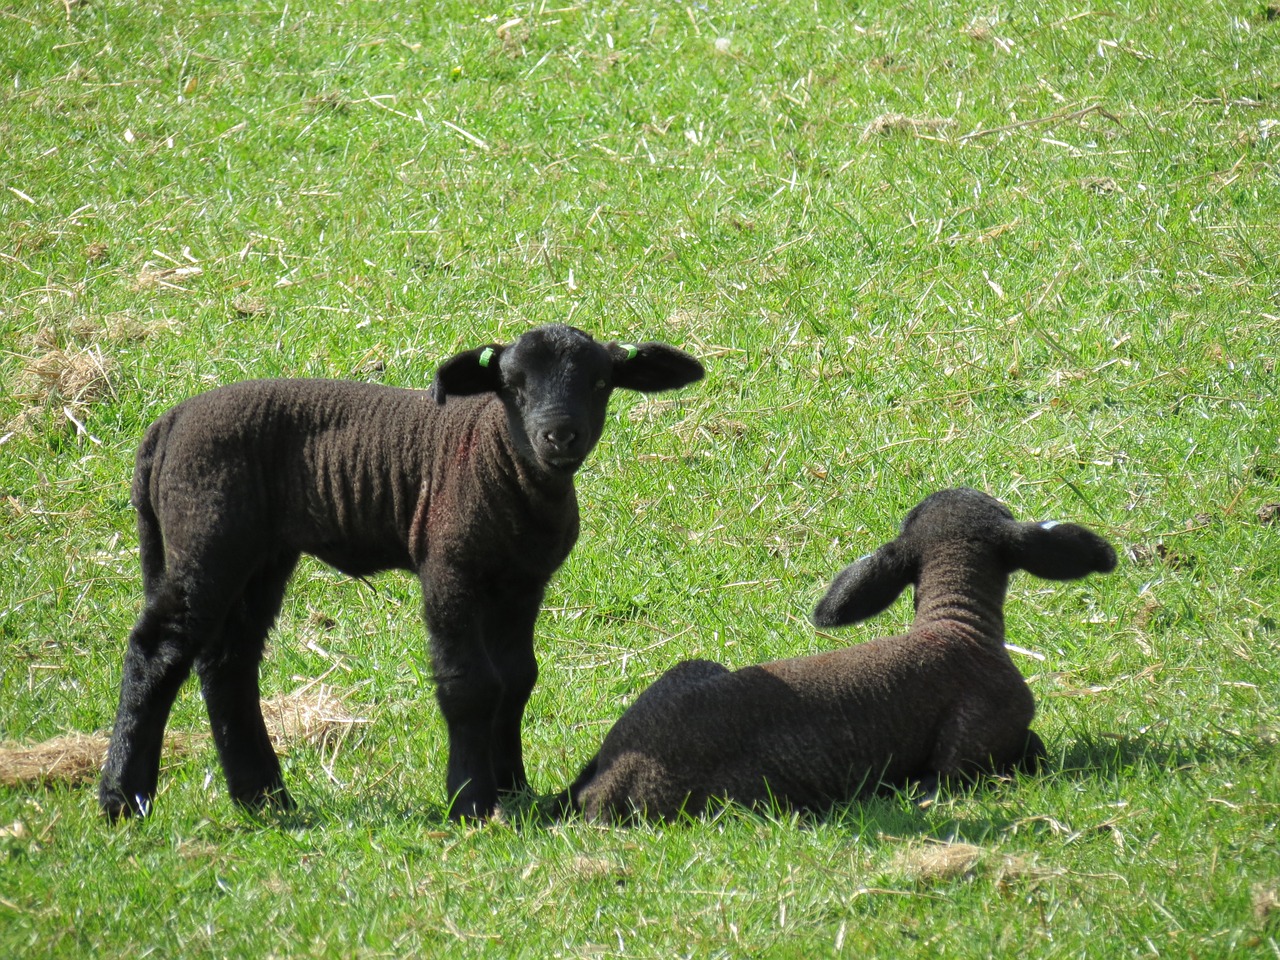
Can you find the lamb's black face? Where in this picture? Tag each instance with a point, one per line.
(556, 383)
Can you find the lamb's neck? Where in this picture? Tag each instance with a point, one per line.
(964, 589)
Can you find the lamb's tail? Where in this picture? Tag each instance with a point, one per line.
(150, 536)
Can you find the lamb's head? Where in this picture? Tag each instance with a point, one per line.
(961, 523)
(555, 382)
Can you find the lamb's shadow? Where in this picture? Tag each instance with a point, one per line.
(884, 817)
(378, 809)
(884, 814)
(1109, 755)
(317, 812)
(889, 812)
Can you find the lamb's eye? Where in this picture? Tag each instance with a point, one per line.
(600, 384)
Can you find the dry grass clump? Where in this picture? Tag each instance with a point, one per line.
(169, 278)
(76, 375)
(1100, 185)
(598, 868)
(933, 863)
(62, 381)
(248, 305)
(938, 863)
(314, 715)
(1266, 903)
(890, 123)
(121, 326)
(74, 760)
(65, 368)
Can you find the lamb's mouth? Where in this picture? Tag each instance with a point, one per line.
(563, 464)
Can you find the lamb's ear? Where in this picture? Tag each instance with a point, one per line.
(652, 367)
(475, 371)
(1059, 551)
(866, 587)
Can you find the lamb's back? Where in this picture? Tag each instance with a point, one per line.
(332, 468)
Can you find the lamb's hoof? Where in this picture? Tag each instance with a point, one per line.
(272, 800)
(117, 807)
(473, 809)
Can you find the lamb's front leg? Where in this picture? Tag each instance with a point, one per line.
(509, 641)
(1033, 756)
(468, 689)
(981, 737)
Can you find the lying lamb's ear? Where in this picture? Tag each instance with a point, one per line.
(1059, 551)
(652, 367)
(866, 587)
(475, 371)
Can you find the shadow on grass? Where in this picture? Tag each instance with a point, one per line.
(1104, 756)
(375, 808)
(884, 815)
(887, 814)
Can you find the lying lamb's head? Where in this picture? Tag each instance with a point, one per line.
(555, 382)
(976, 522)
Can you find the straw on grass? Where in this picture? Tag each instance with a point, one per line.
(313, 715)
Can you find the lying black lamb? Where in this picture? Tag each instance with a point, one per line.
(469, 485)
(941, 700)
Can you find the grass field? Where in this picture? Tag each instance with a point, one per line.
(1033, 248)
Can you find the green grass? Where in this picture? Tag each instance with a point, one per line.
(1061, 284)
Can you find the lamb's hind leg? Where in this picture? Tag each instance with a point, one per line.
(228, 674)
(603, 789)
(161, 648)
(568, 801)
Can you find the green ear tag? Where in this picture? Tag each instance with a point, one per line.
(631, 349)
(485, 356)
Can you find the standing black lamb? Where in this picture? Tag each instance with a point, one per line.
(468, 485)
(942, 700)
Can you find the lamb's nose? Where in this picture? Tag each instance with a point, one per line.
(560, 437)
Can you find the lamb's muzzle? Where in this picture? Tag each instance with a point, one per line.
(942, 700)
